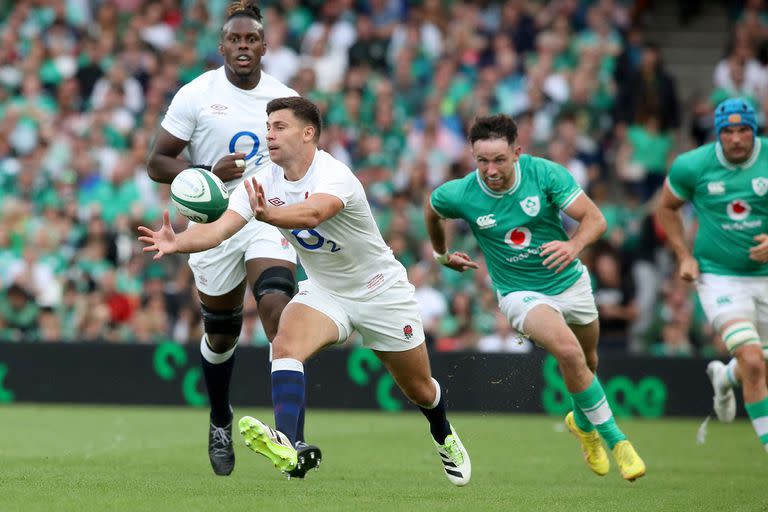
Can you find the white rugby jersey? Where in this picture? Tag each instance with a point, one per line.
(218, 118)
(346, 254)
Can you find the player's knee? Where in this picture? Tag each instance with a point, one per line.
(569, 355)
(421, 392)
(284, 347)
(222, 327)
(274, 280)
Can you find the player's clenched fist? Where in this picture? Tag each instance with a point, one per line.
(230, 167)
(759, 252)
(689, 269)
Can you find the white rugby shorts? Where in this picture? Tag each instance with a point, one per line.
(389, 321)
(576, 304)
(726, 298)
(219, 270)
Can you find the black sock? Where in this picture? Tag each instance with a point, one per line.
(217, 377)
(438, 423)
(300, 426)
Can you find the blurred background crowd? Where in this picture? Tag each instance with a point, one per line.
(85, 83)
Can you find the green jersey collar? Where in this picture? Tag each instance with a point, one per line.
(747, 164)
(518, 176)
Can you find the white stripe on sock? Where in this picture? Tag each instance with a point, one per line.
(600, 414)
(761, 425)
(437, 396)
(214, 357)
(286, 363)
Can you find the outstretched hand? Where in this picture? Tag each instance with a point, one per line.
(460, 262)
(162, 241)
(256, 197)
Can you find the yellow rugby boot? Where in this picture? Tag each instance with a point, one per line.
(591, 446)
(630, 464)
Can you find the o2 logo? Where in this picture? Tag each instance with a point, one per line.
(312, 240)
(254, 151)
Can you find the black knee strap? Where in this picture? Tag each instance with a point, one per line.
(223, 322)
(274, 280)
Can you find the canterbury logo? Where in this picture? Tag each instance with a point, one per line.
(485, 221)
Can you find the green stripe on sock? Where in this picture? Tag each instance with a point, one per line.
(592, 400)
(580, 418)
(758, 413)
(757, 409)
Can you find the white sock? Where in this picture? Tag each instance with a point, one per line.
(214, 357)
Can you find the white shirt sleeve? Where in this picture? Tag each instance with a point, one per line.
(340, 183)
(180, 119)
(239, 203)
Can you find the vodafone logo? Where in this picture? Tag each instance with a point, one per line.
(518, 238)
(738, 209)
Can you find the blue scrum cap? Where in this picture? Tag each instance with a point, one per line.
(733, 112)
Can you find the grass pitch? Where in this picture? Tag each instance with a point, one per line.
(73, 458)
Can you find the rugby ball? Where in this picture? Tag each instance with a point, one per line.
(199, 195)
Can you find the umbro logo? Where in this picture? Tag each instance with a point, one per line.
(486, 221)
(275, 201)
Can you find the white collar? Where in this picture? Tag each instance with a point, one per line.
(745, 165)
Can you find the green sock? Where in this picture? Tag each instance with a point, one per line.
(580, 418)
(758, 413)
(595, 406)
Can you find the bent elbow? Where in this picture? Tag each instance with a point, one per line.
(602, 225)
(152, 169)
(313, 221)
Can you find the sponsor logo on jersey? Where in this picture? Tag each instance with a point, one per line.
(408, 332)
(284, 243)
(518, 238)
(716, 188)
(275, 201)
(486, 221)
(531, 205)
(738, 209)
(760, 186)
(529, 299)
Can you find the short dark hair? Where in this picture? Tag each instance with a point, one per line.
(499, 126)
(244, 9)
(302, 108)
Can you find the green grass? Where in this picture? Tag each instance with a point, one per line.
(59, 458)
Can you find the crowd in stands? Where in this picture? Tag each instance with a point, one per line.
(85, 83)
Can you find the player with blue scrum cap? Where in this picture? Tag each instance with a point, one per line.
(727, 182)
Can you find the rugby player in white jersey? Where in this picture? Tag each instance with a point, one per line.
(220, 119)
(354, 283)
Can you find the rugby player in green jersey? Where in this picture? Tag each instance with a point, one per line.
(512, 203)
(727, 181)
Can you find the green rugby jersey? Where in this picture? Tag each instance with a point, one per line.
(510, 227)
(731, 205)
